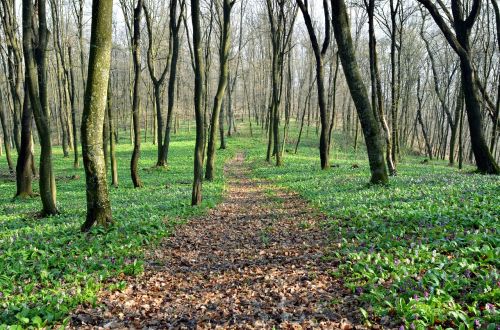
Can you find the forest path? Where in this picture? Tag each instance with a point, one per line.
(253, 262)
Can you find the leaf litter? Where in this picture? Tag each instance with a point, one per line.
(253, 262)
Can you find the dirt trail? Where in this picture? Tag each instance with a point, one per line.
(253, 262)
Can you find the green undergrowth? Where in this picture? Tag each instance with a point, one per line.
(421, 252)
(47, 267)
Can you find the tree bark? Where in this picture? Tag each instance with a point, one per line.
(225, 43)
(319, 54)
(5, 134)
(36, 80)
(136, 98)
(461, 45)
(25, 161)
(198, 103)
(98, 204)
(359, 94)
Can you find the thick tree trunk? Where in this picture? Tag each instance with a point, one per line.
(98, 205)
(358, 91)
(377, 97)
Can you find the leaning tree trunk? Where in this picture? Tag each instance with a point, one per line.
(98, 205)
(198, 103)
(359, 94)
(36, 80)
(461, 45)
(136, 99)
(225, 43)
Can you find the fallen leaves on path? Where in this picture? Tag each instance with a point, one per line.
(254, 262)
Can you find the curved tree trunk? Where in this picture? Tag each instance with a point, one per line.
(36, 80)
(98, 205)
(136, 99)
(359, 94)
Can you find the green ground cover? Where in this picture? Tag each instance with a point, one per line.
(424, 250)
(48, 267)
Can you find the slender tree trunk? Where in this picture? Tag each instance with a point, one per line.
(222, 136)
(72, 95)
(198, 103)
(5, 134)
(112, 142)
(25, 161)
(319, 54)
(136, 98)
(98, 204)
(36, 79)
(225, 43)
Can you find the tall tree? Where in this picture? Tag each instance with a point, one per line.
(377, 95)
(35, 58)
(225, 43)
(136, 98)
(340, 22)
(98, 204)
(460, 42)
(158, 81)
(198, 103)
(319, 55)
(175, 25)
(281, 16)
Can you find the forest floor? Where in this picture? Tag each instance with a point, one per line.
(257, 260)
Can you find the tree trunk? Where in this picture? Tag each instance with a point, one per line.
(225, 43)
(460, 43)
(319, 54)
(198, 104)
(112, 141)
(25, 161)
(36, 80)
(72, 97)
(98, 204)
(377, 97)
(5, 134)
(136, 98)
(358, 91)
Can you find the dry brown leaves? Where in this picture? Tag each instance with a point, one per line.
(254, 262)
